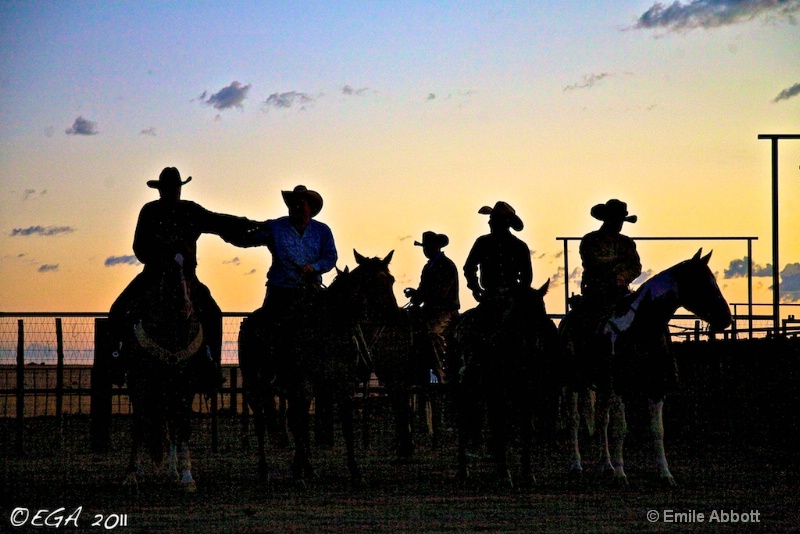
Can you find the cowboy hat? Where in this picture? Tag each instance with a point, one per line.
(433, 239)
(613, 211)
(169, 177)
(313, 198)
(503, 211)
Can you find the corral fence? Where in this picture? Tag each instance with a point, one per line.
(59, 364)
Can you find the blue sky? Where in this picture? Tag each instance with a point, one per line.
(406, 116)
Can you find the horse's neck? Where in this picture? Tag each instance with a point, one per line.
(658, 296)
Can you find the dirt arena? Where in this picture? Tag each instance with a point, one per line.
(718, 477)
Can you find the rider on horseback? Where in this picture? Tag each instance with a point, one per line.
(503, 259)
(302, 251)
(435, 302)
(610, 264)
(165, 228)
(610, 259)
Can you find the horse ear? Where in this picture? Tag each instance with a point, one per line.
(707, 257)
(544, 288)
(697, 256)
(338, 270)
(359, 258)
(346, 269)
(388, 258)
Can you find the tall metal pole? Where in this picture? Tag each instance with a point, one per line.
(776, 269)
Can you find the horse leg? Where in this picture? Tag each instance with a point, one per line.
(463, 425)
(134, 469)
(614, 429)
(657, 432)
(526, 441)
(403, 416)
(346, 416)
(298, 419)
(259, 422)
(498, 428)
(575, 467)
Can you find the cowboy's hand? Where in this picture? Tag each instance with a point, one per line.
(409, 292)
(307, 270)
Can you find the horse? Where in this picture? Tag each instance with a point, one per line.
(168, 361)
(320, 352)
(506, 350)
(637, 359)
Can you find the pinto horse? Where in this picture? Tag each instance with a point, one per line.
(320, 352)
(168, 362)
(506, 349)
(635, 360)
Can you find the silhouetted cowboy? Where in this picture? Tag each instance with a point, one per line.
(610, 259)
(503, 259)
(302, 250)
(435, 302)
(170, 226)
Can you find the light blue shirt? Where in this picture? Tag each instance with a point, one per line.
(290, 250)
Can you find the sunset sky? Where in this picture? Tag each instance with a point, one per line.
(406, 117)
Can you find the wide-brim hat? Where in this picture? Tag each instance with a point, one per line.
(613, 211)
(433, 239)
(170, 177)
(504, 211)
(313, 198)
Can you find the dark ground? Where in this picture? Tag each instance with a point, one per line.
(722, 472)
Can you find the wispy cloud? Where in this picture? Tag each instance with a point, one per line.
(121, 260)
(288, 100)
(350, 91)
(234, 261)
(149, 132)
(228, 97)
(41, 231)
(589, 80)
(706, 14)
(28, 193)
(788, 93)
(82, 126)
(48, 268)
(251, 271)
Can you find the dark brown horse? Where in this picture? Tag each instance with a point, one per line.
(506, 348)
(167, 362)
(629, 356)
(319, 352)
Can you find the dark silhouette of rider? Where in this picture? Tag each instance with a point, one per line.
(167, 227)
(610, 260)
(435, 301)
(503, 259)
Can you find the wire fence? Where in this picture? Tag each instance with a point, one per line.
(56, 352)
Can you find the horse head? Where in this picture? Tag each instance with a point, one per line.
(371, 287)
(699, 293)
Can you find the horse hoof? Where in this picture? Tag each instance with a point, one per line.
(668, 482)
(359, 483)
(189, 487)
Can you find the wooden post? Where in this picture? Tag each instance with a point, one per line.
(60, 380)
(20, 443)
(234, 391)
(100, 408)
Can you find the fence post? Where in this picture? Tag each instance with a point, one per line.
(60, 380)
(100, 408)
(20, 443)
